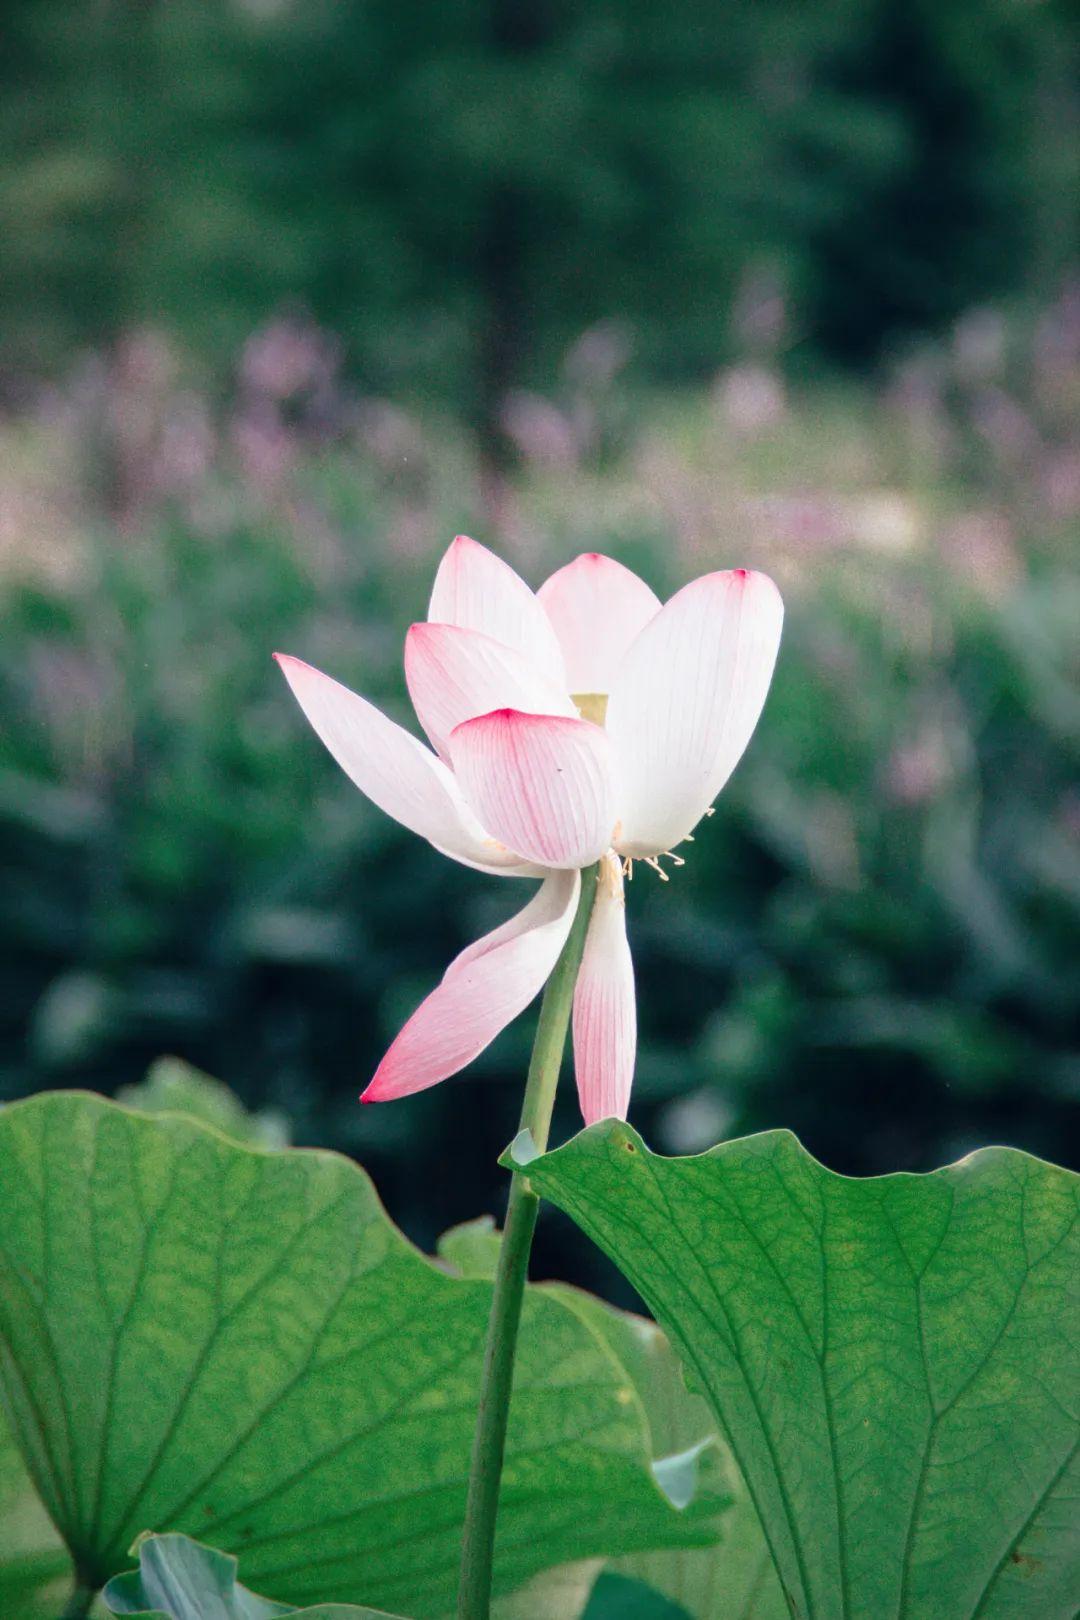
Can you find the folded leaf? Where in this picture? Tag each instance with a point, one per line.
(179, 1579)
(895, 1361)
(199, 1336)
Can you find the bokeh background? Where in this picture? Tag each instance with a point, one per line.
(292, 293)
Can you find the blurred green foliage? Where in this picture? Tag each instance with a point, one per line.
(875, 939)
(457, 191)
(172, 1086)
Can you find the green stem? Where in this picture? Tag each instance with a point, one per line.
(489, 1444)
(80, 1602)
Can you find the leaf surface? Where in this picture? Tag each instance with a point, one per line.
(199, 1336)
(622, 1597)
(895, 1362)
(733, 1579)
(35, 1569)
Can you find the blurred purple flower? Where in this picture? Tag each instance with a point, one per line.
(979, 345)
(541, 433)
(751, 399)
(599, 354)
(287, 358)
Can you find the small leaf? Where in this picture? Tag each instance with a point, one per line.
(172, 1086)
(179, 1579)
(182, 1580)
(472, 1249)
(239, 1345)
(895, 1361)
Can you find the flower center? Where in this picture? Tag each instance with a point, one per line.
(591, 706)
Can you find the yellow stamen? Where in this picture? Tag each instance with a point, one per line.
(654, 862)
(609, 875)
(591, 706)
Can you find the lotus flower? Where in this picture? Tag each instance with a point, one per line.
(585, 723)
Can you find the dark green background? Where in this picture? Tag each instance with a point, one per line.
(458, 189)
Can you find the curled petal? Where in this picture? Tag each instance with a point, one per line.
(482, 991)
(605, 1010)
(395, 770)
(540, 783)
(476, 590)
(453, 675)
(597, 607)
(685, 703)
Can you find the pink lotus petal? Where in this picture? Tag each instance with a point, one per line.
(482, 991)
(597, 607)
(395, 770)
(540, 783)
(685, 703)
(605, 1009)
(453, 675)
(478, 591)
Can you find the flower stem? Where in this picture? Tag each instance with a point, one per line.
(489, 1444)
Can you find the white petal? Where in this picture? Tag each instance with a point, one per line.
(685, 703)
(478, 591)
(482, 991)
(597, 607)
(453, 675)
(541, 783)
(605, 1009)
(395, 770)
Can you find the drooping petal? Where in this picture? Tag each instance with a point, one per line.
(605, 1009)
(482, 991)
(478, 591)
(540, 783)
(597, 607)
(685, 703)
(453, 675)
(395, 770)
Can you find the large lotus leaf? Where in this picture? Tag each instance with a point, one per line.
(895, 1361)
(179, 1579)
(36, 1573)
(236, 1344)
(734, 1579)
